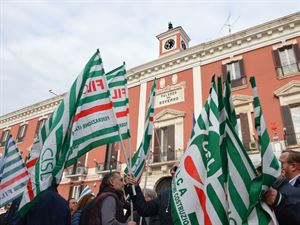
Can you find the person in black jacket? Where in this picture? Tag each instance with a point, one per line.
(160, 206)
(284, 197)
(50, 208)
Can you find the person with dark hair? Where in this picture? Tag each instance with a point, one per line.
(75, 219)
(108, 207)
(72, 205)
(160, 206)
(284, 197)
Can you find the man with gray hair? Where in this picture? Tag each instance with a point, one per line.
(153, 220)
(285, 196)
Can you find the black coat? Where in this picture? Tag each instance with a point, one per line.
(287, 204)
(160, 206)
(153, 220)
(49, 209)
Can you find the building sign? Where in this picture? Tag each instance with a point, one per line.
(170, 95)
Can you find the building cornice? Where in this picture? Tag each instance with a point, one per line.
(269, 33)
(39, 109)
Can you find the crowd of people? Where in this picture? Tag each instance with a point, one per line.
(111, 206)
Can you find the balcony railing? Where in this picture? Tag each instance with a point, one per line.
(166, 156)
(100, 167)
(288, 69)
(79, 171)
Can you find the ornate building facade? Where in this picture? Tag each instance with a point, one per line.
(268, 51)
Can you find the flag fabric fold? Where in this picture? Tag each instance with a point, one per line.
(13, 173)
(138, 161)
(200, 172)
(118, 89)
(85, 119)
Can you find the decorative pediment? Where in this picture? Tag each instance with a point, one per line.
(291, 88)
(241, 99)
(168, 114)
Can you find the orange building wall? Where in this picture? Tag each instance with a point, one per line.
(258, 62)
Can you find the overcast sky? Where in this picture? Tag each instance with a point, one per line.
(45, 44)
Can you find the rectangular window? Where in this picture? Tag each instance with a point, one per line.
(39, 125)
(234, 69)
(21, 132)
(287, 60)
(76, 191)
(237, 73)
(4, 137)
(164, 144)
(111, 156)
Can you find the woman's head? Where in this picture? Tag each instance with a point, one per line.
(112, 180)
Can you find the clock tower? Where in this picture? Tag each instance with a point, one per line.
(172, 41)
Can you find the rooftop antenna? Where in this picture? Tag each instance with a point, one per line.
(230, 25)
(53, 92)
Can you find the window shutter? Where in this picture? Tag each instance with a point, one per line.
(107, 157)
(20, 137)
(171, 143)
(242, 70)
(245, 130)
(157, 150)
(70, 192)
(288, 125)
(297, 54)
(224, 72)
(114, 156)
(277, 62)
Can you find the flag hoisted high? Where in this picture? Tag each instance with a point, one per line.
(117, 84)
(139, 158)
(85, 119)
(13, 173)
(198, 195)
(270, 164)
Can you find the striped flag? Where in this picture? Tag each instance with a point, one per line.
(198, 195)
(270, 164)
(244, 184)
(85, 119)
(139, 158)
(13, 173)
(117, 84)
(228, 103)
(87, 190)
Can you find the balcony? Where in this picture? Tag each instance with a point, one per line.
(100, 167)
(80, 171)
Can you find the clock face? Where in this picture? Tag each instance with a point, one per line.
(169, 44)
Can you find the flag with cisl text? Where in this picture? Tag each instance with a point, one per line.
(117, 84)
(198, 195)
(13, 173)
(138, 161)
(85, 119)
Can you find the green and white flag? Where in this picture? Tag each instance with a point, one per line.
(139, 158)
(270, 164)
(117, 84)
(244, 184)
(228, 103)
(198, 195)
(85, 119)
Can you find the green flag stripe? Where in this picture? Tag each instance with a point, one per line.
(12, 171)
(96, 97)
(95, 134)
(117, 84)
(121, 103)
(236, 199)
